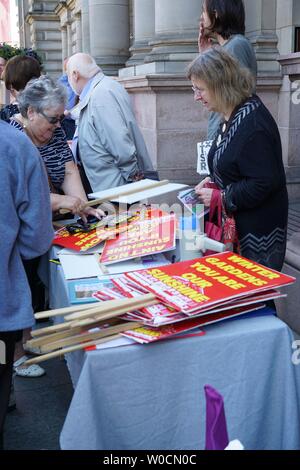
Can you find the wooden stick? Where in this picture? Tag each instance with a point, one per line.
(41, 340)
(118, 305)
(80, 338)
(89, 317)
(124, 192)
(64, 311)
(61, 352)
(72, 324)
(44, 339)
(50, 329)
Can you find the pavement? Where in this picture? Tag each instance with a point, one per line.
(42, 405)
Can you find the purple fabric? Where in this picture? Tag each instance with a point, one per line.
(216, 429)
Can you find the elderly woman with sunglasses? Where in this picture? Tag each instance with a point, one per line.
(41, 105)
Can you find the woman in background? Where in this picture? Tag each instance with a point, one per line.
(223, 23)
(17, 73)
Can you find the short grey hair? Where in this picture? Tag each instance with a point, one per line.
(40, 94)
(230, 83)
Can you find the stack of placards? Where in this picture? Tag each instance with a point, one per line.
(161, 302)
(136, 242)
(210, 289)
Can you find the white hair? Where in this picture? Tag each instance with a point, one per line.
(41, 93)
(84, 64)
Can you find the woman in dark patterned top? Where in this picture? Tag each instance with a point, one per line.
(41, 106)
(245, 160)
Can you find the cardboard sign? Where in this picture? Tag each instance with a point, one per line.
(153, 231)
(195, 285)
(148, 334)
(203, 149)
(83, 241)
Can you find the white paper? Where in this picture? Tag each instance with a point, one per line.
(136, 264)
(191, 201)
(149, 193)
(140, 195)
(116, 343)
(111, 193)
(80, 267)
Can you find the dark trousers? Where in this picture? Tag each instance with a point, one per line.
(37, 288)
(8, 340)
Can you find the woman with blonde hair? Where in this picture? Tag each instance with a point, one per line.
(245, 160)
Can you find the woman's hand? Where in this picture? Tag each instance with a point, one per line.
(91, 211)
(72, 203)
(202, 183)
(204, 41)
(205, 195)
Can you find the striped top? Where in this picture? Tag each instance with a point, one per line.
(55, 154)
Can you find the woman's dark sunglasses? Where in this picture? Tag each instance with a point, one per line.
(53, 119)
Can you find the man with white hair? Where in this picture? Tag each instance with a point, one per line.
(111, 147)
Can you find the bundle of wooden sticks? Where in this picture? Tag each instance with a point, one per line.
(73, 333)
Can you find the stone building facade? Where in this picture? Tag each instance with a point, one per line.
(149, 43)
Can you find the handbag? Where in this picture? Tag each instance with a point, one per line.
(213, 227)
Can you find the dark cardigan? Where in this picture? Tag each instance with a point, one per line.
(247, 165)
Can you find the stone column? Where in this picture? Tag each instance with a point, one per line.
(109, 33)
(45, 34)
(289, 121)
(78, 27)
(261, 30)
(64, 37)
(69, 38)
(85, 25)
(176, 32)
(144, 30)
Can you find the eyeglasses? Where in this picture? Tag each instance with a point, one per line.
(53, 119)
(196, 90)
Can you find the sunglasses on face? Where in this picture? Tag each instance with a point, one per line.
(53, 119)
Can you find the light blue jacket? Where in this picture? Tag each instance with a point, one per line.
(111, 146)
(25, 221)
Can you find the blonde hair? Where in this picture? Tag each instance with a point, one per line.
(224, 77)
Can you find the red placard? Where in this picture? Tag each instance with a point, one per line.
(153, 232)
(83, 241)
(196, 285)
